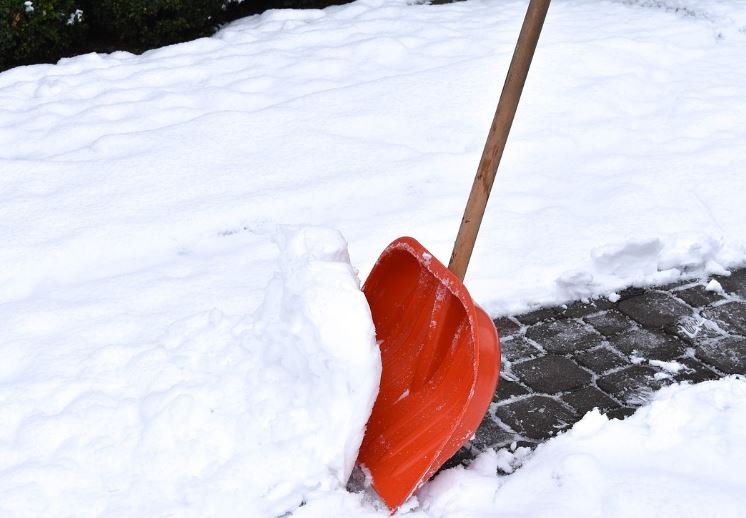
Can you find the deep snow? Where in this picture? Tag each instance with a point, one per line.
(624, 163)
(106, 411)
(158, 354)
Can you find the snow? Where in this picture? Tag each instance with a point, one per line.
(680, 456)
(370, 118)
(160, 356)
(110, 413)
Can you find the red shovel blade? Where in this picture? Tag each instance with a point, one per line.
(441, 359)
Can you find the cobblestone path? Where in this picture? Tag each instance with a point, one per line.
(558, 363)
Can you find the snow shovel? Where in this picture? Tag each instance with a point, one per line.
(440, 352)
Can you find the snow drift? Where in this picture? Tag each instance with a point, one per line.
(220, 415)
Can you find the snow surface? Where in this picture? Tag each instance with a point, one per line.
(681, 456)
(624, 166)
(107, 411)
(160, 357)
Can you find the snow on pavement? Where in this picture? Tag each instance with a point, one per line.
(160, 356)
(678, 457)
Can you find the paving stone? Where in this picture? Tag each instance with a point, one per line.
(731, 316)
(537, 315)
(564, 336)
(654, 309)
(633, 385)
(489, 434)
(580, 309)
(609, 322)
(735, 283)
(727, 355)
(650, 345)
(620, 413)
(537, 417)
(676, 284)
(507, 389)
(697, 296)
(506, 326)
(696, 330)
(630, 292)
(551, 374)
(694, 371)
(518, 348)
(588, 398)
(600, 359)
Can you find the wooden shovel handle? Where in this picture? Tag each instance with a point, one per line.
(498, 135)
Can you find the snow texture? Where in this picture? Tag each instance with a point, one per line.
(153, 362)
(623, 166)
(681, 456)
(105, 413)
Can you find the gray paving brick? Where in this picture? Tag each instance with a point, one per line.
(489, 434)
(551, 374)
(696, 330)
(564, 336)
(600, 360)
(587, 398)
(727, 355)
(735, 283)
(518, 348)
(697, 296)
(580, 309)
(537, 417)
(731, 316)
(654, 309)
(620, 413)
(694, 371)
(506, 327)
(507, 389)
(653, 345)
(676, 284)
(630, 292)
(633, 385)
(532, 317)
(609, 322)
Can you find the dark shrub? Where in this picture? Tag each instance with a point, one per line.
(32, 31)
(142, 24)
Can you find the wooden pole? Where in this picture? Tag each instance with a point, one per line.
(498, 136)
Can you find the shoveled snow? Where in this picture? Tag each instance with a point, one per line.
(107, 411)
(681, 456)
(154, 364)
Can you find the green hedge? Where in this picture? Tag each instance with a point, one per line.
(33, 31)
(151, 23)
(38, 30)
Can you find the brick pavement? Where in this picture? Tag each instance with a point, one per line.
(560, 362)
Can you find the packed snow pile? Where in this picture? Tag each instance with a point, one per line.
(219, 415)
(680, 456)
